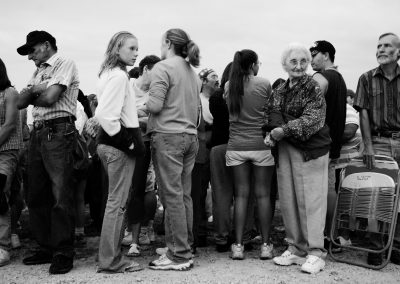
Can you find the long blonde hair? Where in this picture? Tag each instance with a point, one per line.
(111, 59)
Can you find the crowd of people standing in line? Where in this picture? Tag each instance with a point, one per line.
(180, 131)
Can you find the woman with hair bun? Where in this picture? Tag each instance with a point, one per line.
(250, 159)
(174, 106)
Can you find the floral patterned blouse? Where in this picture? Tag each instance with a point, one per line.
(305, 102)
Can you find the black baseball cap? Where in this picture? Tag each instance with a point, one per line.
(34, 38)
(323, 46)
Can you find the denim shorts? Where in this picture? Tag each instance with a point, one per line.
(262, 158)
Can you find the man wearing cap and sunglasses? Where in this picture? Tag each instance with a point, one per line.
(53, 91)
(335, 91)
(378, 101)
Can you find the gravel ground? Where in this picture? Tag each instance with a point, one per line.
(209, 267)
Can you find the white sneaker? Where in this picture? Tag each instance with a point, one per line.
(161, 251)
(144, 237)
(164, 263)
(133, 250)
(237, 251)
(127, 240)
(266, 251)
(4, 257)
(15, 243)
(288, 258)
(313, 264)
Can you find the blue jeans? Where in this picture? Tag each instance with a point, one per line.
(119, 167)
(173, 157)
(51, 187)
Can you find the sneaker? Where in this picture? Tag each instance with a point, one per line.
(143, 236)
(61, 264)
(237, 251)
(288, 258)
(133, 250)
(164, 263)
(266, 251)
(151, 233)
(161, 251)
(127, 240)
(4, 257)
(15, 242)
(313, 264)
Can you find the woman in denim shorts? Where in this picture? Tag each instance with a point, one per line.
(251, 160)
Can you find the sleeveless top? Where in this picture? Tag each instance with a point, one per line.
(14, 142)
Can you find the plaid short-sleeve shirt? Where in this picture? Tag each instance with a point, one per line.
(381, 97)
(57, 70)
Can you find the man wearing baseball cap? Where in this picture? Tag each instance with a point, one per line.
(53, 92)
(335, 91)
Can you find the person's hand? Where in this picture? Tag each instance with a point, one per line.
(92, 126)
(369, 157)
(277, 133)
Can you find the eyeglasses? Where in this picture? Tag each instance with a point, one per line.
(302, 62)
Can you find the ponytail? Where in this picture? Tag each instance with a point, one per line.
(193, 53)
(236, 91)
(184, 46)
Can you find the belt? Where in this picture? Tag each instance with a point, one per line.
(388, 134)
(39, 124)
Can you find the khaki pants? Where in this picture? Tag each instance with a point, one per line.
(303, 188)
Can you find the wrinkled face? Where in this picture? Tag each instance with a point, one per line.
(39, 53)
(387, 52)
(211, 82)
(128, 52)
(318, 62)
(296, 64)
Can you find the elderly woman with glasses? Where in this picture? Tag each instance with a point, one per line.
(296, 121)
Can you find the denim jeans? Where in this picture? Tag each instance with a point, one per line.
(173, 157)
(119, 167)
(51, 187)
(8, 166)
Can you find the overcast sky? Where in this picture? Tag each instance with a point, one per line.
(83, 28)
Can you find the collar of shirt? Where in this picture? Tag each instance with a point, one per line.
(333, 67)
(51, 60)
(379, 71)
